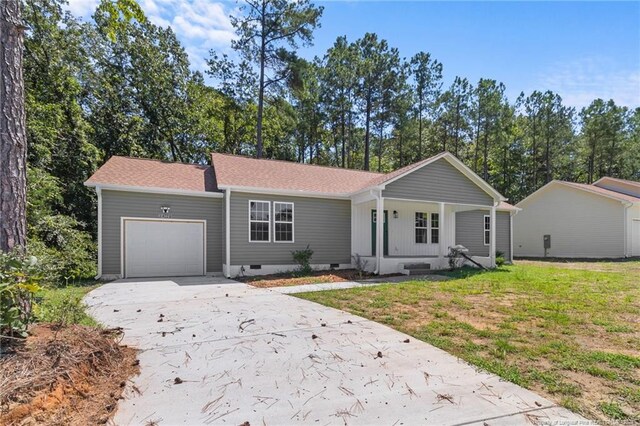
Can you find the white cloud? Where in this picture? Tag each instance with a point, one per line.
(580, 82)
(83, 8)
(200, 25)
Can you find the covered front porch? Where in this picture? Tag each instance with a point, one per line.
(414, 236)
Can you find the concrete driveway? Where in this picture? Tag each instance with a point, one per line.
(215, 351)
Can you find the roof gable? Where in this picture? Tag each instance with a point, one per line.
(592, 189)
(438, 181)
(622, 186)
(454, 162)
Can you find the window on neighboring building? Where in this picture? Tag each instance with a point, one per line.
(282, 222)
(259, 221)
(422, 227)
(435, 228)
(487, 230)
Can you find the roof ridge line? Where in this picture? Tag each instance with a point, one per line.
(275, 160)
(157, 160)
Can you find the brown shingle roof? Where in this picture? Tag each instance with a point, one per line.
(239, 171)
(625, 181)
(139, 172)
(597, 190)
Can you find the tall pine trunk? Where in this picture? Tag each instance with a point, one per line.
(13, 136)
(367, 131)
(263, 49)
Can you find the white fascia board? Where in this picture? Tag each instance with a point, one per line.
(364, 196)
(514, 210)
(288, 192)
(151, 190)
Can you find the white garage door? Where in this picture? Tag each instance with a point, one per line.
(163, 248)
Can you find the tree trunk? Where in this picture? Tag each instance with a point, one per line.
(457, 134)
(367, 136)
(380, 149)
(420, 128)
(344, 140)
(13, 136)
(263, 49)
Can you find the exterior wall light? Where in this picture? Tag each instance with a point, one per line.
(395, 214)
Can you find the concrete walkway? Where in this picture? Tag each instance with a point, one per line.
(218, 352)
(293, 289)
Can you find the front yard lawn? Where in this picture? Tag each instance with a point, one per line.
(569, 333)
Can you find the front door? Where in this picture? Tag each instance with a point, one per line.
(385, 232)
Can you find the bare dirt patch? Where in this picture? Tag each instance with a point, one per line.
(72, 375)
(317, 277)
(605, 265)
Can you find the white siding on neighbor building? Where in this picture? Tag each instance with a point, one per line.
(581, 224)
(633, 230)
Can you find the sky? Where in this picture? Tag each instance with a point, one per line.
(581, 50)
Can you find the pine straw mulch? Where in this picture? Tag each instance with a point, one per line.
(286, 279)
(71, 375)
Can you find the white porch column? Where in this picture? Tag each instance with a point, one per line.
(227, 231)
(492, 240)
(379, 231)
(442, 235)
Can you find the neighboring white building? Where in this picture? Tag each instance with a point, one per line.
(591, 221)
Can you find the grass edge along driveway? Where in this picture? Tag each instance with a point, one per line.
(568, 333)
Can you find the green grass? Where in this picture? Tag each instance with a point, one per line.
(567, 330)
(64, 305)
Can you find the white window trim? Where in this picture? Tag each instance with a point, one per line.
(484, 230)
(259, 221)
(293, 222)
(416, 227)
(431, 228)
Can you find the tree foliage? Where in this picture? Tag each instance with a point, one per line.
(120, 85)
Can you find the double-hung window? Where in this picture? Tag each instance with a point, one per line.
(282, 222)
(487, 230)
(259, 221)
(422, 227)
(435, 228)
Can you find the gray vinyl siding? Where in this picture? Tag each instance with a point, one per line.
(470, 232)
(323, 224)
(117, 204)
(438, 181)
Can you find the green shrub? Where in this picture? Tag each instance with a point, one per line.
(19, 277)
(303, 258)
(500, 260)
(65, 252)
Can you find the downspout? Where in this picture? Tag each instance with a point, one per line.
(511, 215)
(627, 206)
(379, 231)
(99, 193)
(227, 231)
(492, 239)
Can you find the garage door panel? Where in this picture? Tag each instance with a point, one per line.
(163, 248)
